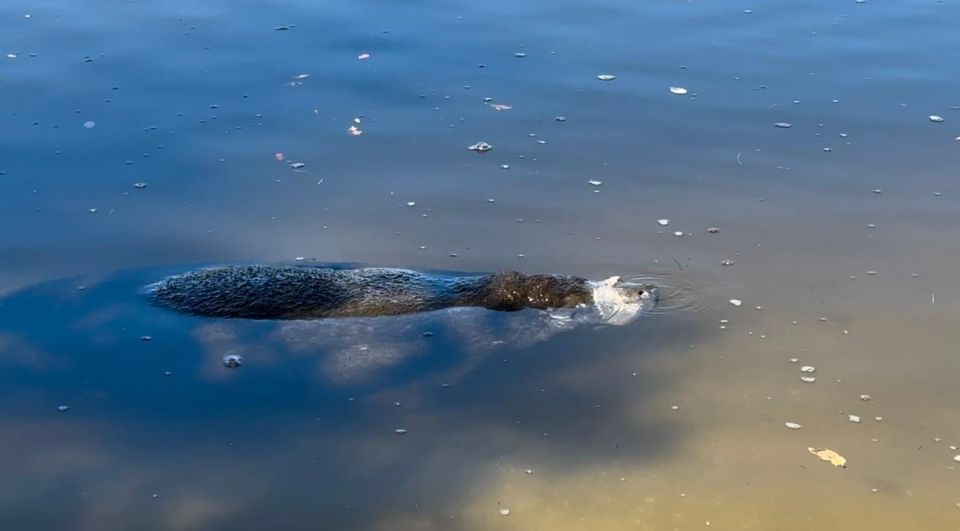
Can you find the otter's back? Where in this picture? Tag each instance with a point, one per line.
(288, 292)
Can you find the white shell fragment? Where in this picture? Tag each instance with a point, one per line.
(354, 130)
(480, 147)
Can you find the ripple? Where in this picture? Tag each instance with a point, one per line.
(674, 294)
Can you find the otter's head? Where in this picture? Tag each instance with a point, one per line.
(620, 302)
(632, 293)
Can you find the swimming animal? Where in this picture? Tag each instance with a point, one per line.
(308, 292)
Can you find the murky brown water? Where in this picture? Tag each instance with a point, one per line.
(675, 421)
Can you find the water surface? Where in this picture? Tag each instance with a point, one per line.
(841, 229)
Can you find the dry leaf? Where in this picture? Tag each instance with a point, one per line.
(829, 455)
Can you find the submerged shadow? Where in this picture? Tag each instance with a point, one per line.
(309, 422)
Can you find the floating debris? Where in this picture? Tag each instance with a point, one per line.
(232, 361)
(830, 456)
(783, 125)
(500, 106)
(713, 230)
(63, 408)
(146, 338)
(678, 233)
(606, 77)
(594, 182)
(480, 147)
(726, 263)
(560, 118)
(854, 418)
(808, 369)
(504, 512)
(792, 425)
(400, 431)
(936, 119)
(411, 203)
(364, 56)
(354, 130)
(298, 80)
(519, 55)
(678, 90)
(866, 398)
(736, 302)
(278, 156)
(663, 222)
(297, 165)
(808, 379)
(89, 124)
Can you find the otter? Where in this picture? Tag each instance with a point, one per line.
(308, 292)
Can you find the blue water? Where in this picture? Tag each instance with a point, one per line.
(201, 100)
